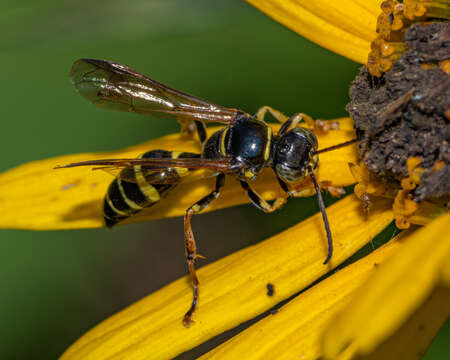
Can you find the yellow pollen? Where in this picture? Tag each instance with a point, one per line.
(391, 19)
(403, 208)
(391, 24)
(368, 184)
(383, 55)
(413, 9)
(428, 66)
(438, 165)
(414, 170)
(445, 66)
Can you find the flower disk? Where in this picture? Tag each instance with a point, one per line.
(404, 112)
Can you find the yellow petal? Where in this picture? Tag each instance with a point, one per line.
(415, 336)
(393, 293)
(35, 196)
(294, 332)
(233, 289)
(446, 274)
(346, 27)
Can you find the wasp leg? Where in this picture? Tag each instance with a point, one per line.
(293, 121)
(278, 115)
(317, 125)
(201, 131)
(293, 193)
(288, 123)
(322, 126)
(259, 202)
(191, 247)
(187, 127)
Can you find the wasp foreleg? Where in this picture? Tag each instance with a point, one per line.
(191, 247)
(306, 192)
(259, 202)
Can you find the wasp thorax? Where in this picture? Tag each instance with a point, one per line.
(294, 153)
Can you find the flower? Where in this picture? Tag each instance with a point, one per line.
(378, 292)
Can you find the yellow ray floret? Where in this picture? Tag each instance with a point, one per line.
(393, 293)
(233, 289)
(414, 337)
(36, 196)
(294, 331)
(345, 27)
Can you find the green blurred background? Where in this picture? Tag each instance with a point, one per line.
(56, 285)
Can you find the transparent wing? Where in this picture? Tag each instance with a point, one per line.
(220, 165)
(152, 176)
(161, 170)
(114, 86)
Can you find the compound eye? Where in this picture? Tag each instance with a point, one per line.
(289, 174)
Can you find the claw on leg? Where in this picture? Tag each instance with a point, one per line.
(323, 126)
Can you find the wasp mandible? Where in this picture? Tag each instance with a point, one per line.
(241, 149)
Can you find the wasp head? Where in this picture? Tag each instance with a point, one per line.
(293, 153)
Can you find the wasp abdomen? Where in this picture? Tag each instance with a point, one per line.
(138, 187)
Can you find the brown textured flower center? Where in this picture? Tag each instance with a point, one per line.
(401, 103)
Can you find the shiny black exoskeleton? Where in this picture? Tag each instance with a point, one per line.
(252, 146)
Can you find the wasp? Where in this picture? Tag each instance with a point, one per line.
(242, 148)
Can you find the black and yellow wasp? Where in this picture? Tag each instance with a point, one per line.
(242, 148)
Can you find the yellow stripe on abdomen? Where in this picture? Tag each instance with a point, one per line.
(148, 190)
(127, 200)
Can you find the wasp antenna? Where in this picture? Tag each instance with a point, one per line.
(324, 215)
(336, 146)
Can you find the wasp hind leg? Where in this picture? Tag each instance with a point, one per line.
(188, 127)
(201, 131)
(191, 247)
(278, 115)
(322, 126)
(288, 123)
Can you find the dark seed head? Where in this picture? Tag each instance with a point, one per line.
(402, 114)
